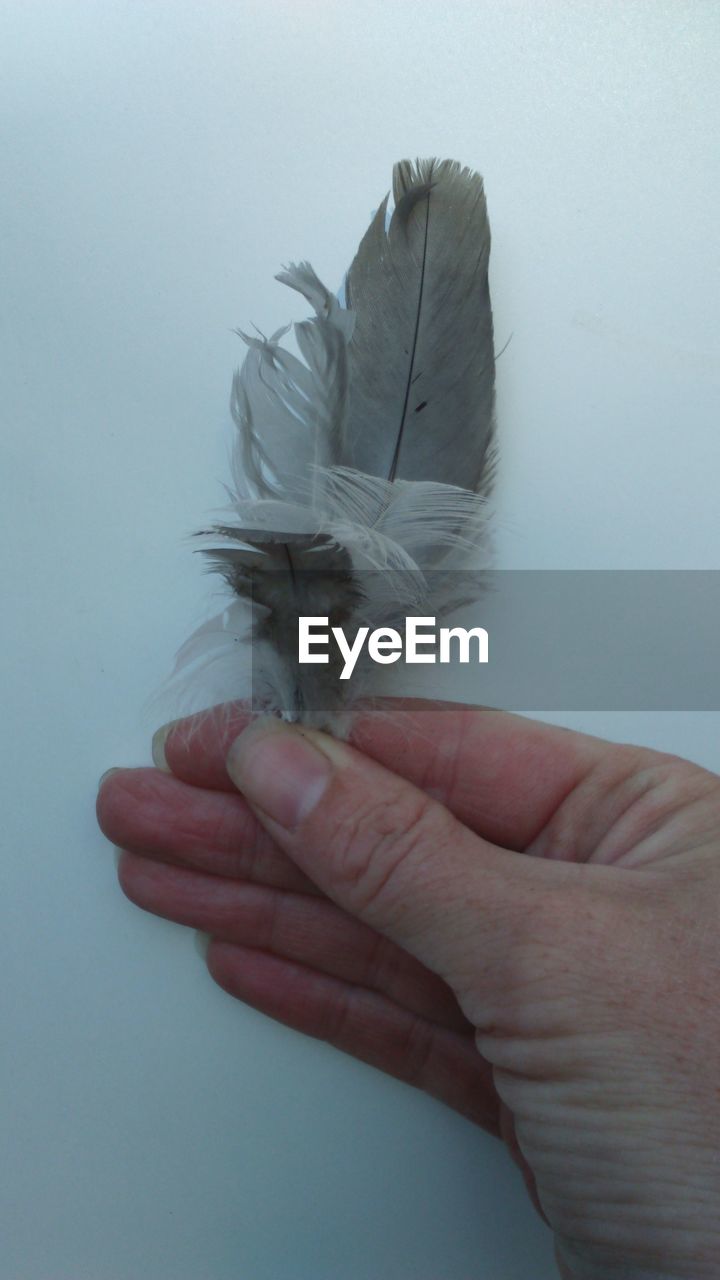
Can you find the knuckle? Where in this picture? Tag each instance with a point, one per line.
(272, 924)
(382, 965)
(627, 804)
(373, 842)
(335, 1019)
(221, 823)
(416, 1048)
(253, 852)
(652, 795)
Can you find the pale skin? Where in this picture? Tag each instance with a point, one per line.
(521, 920)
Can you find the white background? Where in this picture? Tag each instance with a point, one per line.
(160, 162)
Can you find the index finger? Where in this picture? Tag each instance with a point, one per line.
(502, 775)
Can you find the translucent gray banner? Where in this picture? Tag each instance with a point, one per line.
(608, 640)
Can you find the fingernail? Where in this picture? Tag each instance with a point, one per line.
(158, 746)
(279, 770)
(201, 942)
(106, 775)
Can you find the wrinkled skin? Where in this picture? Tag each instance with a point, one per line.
(519, 919)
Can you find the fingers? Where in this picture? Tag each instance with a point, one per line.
(500, 774)
(195, 747)
(309, 930)
(363, 1023)
(389, 855)
(156, 815)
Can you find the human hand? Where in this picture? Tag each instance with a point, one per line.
(520, 919)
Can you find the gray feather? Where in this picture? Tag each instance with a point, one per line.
(366, 462)
(422, 362)
(290, 414)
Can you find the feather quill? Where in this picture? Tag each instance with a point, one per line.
(362, 469)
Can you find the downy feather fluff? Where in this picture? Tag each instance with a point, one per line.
(362, 468)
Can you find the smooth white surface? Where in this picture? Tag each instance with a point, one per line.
(160, 162)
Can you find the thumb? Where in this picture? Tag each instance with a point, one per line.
(391, 855)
